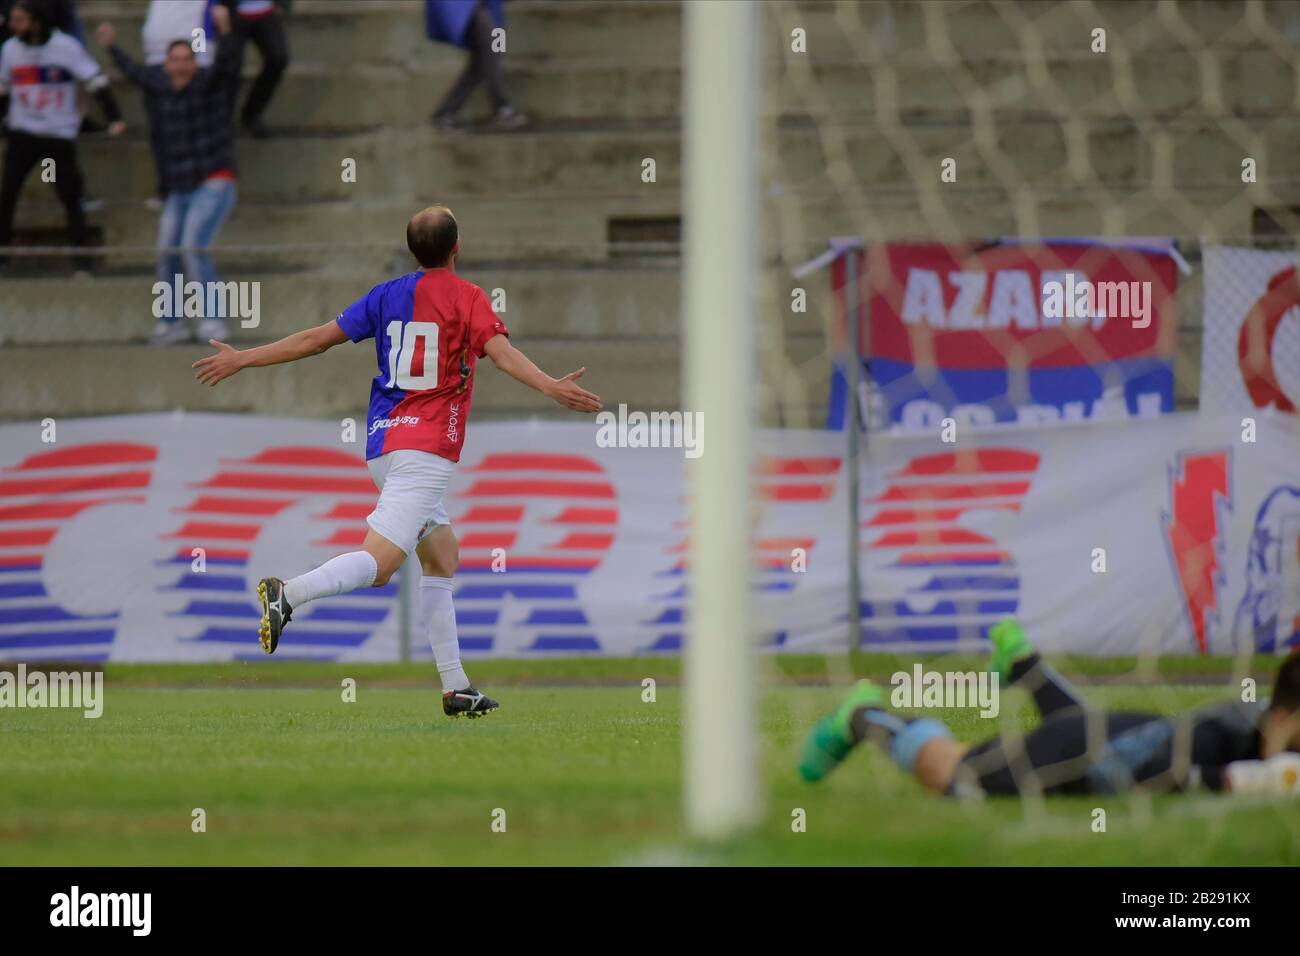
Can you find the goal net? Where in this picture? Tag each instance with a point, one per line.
(1044, 255)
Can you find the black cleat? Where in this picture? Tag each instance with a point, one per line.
(276, 613)
(468, 702)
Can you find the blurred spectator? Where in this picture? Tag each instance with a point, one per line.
(469, 24)
(40, 67)
(262, 23)
(190, 106)
(170, 20)
(166, 22)
(63, 16)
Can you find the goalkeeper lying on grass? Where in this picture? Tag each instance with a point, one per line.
(1241, 747)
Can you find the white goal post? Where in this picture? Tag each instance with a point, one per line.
(720, 260)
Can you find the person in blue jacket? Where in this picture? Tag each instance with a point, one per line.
(468, 24)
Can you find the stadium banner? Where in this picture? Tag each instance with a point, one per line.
(1007, 332)
(141, 538)
(1250, 352)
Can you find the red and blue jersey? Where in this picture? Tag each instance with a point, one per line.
(430, 328)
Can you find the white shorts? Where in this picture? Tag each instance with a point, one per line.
(411, 488)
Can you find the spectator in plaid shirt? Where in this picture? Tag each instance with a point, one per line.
(190, 109)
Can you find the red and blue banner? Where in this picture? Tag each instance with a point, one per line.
(1012, 332)
(136, 538)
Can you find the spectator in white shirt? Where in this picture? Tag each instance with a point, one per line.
(40, 70)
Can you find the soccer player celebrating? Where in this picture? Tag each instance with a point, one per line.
(429, 328)
(1243, 747)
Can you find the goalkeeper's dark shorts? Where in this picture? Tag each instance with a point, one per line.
(1079, 750)
(1068, 753)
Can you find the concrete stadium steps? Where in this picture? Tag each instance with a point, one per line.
(798, 217)
(356, 32)
(838, 30)
(595, 304)
(394, 32)
(357, 234)
(799, 223)
(317, 97)
(367, 32)
(112, 379)
(1115, 154)
(415, 161)
(1254, 81)
(359, 64)
(793, 382)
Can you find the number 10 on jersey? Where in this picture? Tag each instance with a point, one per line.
(413, 355)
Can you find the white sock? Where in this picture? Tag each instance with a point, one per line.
(347, 572)
(439, 614)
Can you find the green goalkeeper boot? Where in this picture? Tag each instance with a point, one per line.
(832, 739)
(1009, 645)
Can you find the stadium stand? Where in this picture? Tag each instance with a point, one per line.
(558, 216)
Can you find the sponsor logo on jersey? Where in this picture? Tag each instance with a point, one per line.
(382, 424)
(453, 423)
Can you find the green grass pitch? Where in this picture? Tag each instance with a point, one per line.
(586, 773)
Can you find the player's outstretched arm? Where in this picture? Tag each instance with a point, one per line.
(566, 391)
(230, 360)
